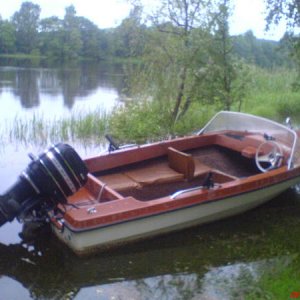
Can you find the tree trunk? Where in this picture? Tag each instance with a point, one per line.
(180, 95)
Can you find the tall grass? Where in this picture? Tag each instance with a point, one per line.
(271, 94)
(84, 127)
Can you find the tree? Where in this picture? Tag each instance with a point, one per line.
(7, 37)
(129, 36)
(176, 54)
(224, 83)
(72, 40)
(287, 9)
(51, 37)
(290, 11)
(90, 36)
(26, 22)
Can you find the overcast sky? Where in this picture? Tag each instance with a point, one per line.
(248, 14)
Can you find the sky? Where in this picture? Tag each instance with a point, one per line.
(247, 14)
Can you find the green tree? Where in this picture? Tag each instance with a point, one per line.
(283, 9)
(129, 36)
(289, 10)
(72, 39)
(175, 56)
(225, 83)
(52, 37)
(7, 37)
(26, 22)
(91, 38)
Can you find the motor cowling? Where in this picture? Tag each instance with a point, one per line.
(51, 177)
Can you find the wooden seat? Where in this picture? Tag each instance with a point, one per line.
(119, 181)
(200, 168)
(249, 152)
(154, 174)
(181, 162)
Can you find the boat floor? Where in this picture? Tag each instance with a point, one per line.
(226, 161)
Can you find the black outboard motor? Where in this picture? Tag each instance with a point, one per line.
(48, 180)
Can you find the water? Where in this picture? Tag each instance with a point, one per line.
(54, 93)
(224, 260)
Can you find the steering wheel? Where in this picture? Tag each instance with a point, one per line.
(270, 160)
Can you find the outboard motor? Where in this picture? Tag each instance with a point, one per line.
(48, 180)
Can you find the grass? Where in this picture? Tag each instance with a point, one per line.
(86, 128)
(282, 283)
(271, 94)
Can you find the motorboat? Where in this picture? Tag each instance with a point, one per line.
(235, 163)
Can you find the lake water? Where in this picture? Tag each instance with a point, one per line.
(223, 260)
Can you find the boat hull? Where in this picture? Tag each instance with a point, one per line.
(105, 237)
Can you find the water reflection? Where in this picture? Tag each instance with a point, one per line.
(219, 261)
(25, 86)
(31, 85)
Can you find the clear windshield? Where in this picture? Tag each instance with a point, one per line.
(248, 123)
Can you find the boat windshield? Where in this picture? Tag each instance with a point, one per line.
(235, 121)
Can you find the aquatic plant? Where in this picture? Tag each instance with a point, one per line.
(79, 126)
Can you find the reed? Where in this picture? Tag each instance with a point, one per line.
(78, 126)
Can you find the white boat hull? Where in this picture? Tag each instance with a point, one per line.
(88, 241)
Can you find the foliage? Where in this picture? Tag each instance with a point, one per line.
(172, 58)
(26, 23)
(271, 95)
(188, 58)
(287, 9)
(290, 11)
(225, 82)
(7, 37)
(130, 35)
(264, 53)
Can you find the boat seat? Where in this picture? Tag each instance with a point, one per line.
(249, 152)
(200, 168)
(119, 181)
(181, 162)
(154, 174)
